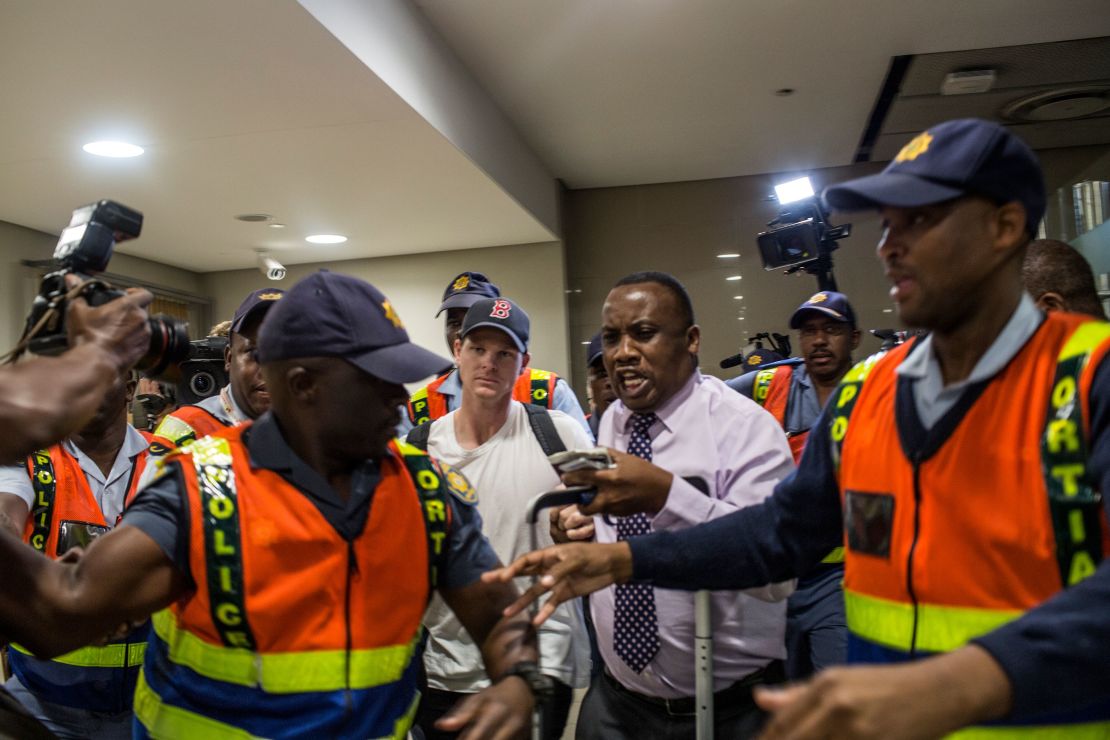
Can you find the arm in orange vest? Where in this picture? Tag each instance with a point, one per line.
(46, 398)
(53, 607)
(923, 699)
(504, 709)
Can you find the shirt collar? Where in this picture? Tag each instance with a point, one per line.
(1023, 324)
(134, 443)
(238, 416)
(452, 386)
(666, 412)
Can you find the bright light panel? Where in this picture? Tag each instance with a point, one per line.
(325, 239)
(113, 149)
(729, 256)
(799, 189)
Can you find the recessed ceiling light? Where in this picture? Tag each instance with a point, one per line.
(277, 226)
(729, 256)
(325, 239)
(116, 149)
(586, 342)
(738, 297)
(888, 310)
(741, 318)
(733, 277)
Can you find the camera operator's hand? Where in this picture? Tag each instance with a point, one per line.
(119, 327)
(567, 524)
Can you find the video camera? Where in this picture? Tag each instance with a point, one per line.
(203, 374)
(84, 249)
(801, 237)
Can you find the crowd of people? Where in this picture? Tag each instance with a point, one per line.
(905, 546)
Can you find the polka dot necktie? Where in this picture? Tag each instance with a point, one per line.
(635, 631)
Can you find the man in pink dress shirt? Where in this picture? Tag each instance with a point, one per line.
(714, 452)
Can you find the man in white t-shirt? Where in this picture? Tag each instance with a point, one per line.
(494, 441)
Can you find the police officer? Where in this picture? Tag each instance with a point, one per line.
(599, 389)
(295, 554)
(60, 499)
(795, 392)
(444, 394)
(963, 468)
(245, 396)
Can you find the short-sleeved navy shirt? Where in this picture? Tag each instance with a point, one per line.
(160, 510)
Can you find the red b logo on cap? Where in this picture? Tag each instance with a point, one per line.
(501, 310)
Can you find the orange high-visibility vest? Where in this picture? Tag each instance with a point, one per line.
(96, 678)
(294, 631)
(948, 542)
(182, 426)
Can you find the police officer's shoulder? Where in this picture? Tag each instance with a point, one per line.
(456, 483)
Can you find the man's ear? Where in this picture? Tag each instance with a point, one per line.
(525, 358)
(1052, 301)
(227, 355)
(1010, 220)
(457, 349)
(130, 386)
(856, 334)
(693, 339)
(301, 382)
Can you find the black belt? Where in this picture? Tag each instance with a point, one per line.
(737, 693)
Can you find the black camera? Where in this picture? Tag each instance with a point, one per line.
(801, 237)
(203, 374)
(84, 249)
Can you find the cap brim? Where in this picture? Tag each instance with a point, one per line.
(594, 358)
(401, 363)
(799, 315)
(494, 325)
(896, 189)
(460, 300)
(259, 308)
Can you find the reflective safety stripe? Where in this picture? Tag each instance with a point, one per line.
(167, 722)
(939, 628)
(283, 673)
(417, 407)
(175, 430)
(129, 655)
(1085, 731)
(163, 720)
(836, 556)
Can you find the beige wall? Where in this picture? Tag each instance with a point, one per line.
(531, 274)
(18, 284)
(680, 228)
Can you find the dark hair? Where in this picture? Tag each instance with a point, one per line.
(1057, 267)
(670, 282)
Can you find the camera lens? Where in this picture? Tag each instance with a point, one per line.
(169, 345)
(202, 384)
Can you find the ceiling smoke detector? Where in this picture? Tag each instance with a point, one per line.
(967, 82)
(254, 218)
(1059, 105)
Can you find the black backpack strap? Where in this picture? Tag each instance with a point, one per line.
(418, 436)
(544, 429)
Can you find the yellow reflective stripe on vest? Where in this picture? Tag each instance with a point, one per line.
(174, 429)
(108, 656)
(836, 556)
(283, 673)
(1085, 339)
(164, 721)
(939, 628)
(167, 722)
(1085, 731)
(761, 386)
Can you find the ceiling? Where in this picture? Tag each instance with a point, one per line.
(254, 106)
(243, 107)
(627, 92)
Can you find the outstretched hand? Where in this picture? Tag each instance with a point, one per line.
(567, 571)
(500, 712)
(633, 485)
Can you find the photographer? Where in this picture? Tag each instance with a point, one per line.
(245, 397)
(45, 398)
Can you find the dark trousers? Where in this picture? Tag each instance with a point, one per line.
(816, 630)
(611, 712)
(435, 703)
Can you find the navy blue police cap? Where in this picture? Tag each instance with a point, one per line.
(968, 156)
(332, 315)
(826, 303)
(254, 305)
(466, 289)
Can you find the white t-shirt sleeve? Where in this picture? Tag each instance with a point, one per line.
(14, 480)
